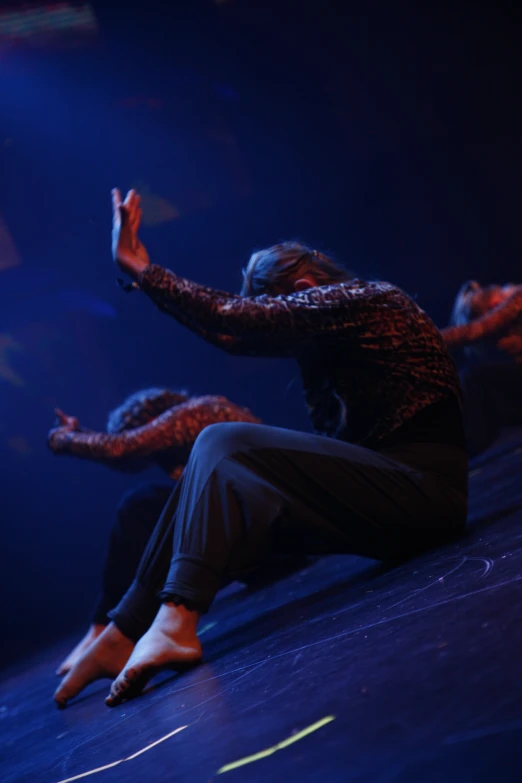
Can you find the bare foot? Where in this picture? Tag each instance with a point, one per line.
(72, 659)
(170, 643)
(106, 657)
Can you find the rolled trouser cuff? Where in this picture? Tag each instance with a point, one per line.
(100, 617)
(191, 582)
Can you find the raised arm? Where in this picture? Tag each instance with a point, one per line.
(175, 428)
(262, 325)
(492, 324)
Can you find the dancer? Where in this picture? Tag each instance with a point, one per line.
(152, 426)
(486, 320)
(384, 477)
(487, 325)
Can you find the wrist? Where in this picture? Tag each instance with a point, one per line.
(59, 440)
(132, 267)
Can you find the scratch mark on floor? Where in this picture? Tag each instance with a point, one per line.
(419, 610)
(488, 562)
(487, 731)
(431, 584)
(128, 758)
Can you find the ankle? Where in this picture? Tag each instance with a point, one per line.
(176, 617)
(113, 635)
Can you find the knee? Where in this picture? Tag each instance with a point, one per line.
(228, 439)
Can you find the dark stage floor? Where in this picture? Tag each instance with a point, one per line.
(407, 675)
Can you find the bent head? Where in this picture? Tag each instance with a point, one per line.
(142, 407)
(290, 267)
(474, 300)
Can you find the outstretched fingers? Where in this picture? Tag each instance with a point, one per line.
(116, 198)
(132, 202)
(135, 219)
(62, 417)
(128, 212)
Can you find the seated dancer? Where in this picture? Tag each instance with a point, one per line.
(487, 324)
(152, 426)
(385, 475)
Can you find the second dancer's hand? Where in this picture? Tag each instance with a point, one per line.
(127, 250)
(58, 438)
(68, 422)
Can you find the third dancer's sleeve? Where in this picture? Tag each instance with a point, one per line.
(493, 323)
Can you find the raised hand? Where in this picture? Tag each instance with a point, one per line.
(127, 249)
(60, 435)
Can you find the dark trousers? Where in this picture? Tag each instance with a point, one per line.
(250, 490)
(136, 518)
(492, 402)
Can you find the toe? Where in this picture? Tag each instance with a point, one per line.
(65, 691)
(61, 696)
(74, 682)
(119, 690)
(113, 700)
(61, 702)
(129, 684)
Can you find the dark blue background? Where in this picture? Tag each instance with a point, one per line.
(391, 137)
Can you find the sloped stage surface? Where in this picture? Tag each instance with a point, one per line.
(399, 675)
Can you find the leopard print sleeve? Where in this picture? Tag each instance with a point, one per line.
(175, 428)
(493, 323)
(261, 325)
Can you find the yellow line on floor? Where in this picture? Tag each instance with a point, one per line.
(280, 745)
